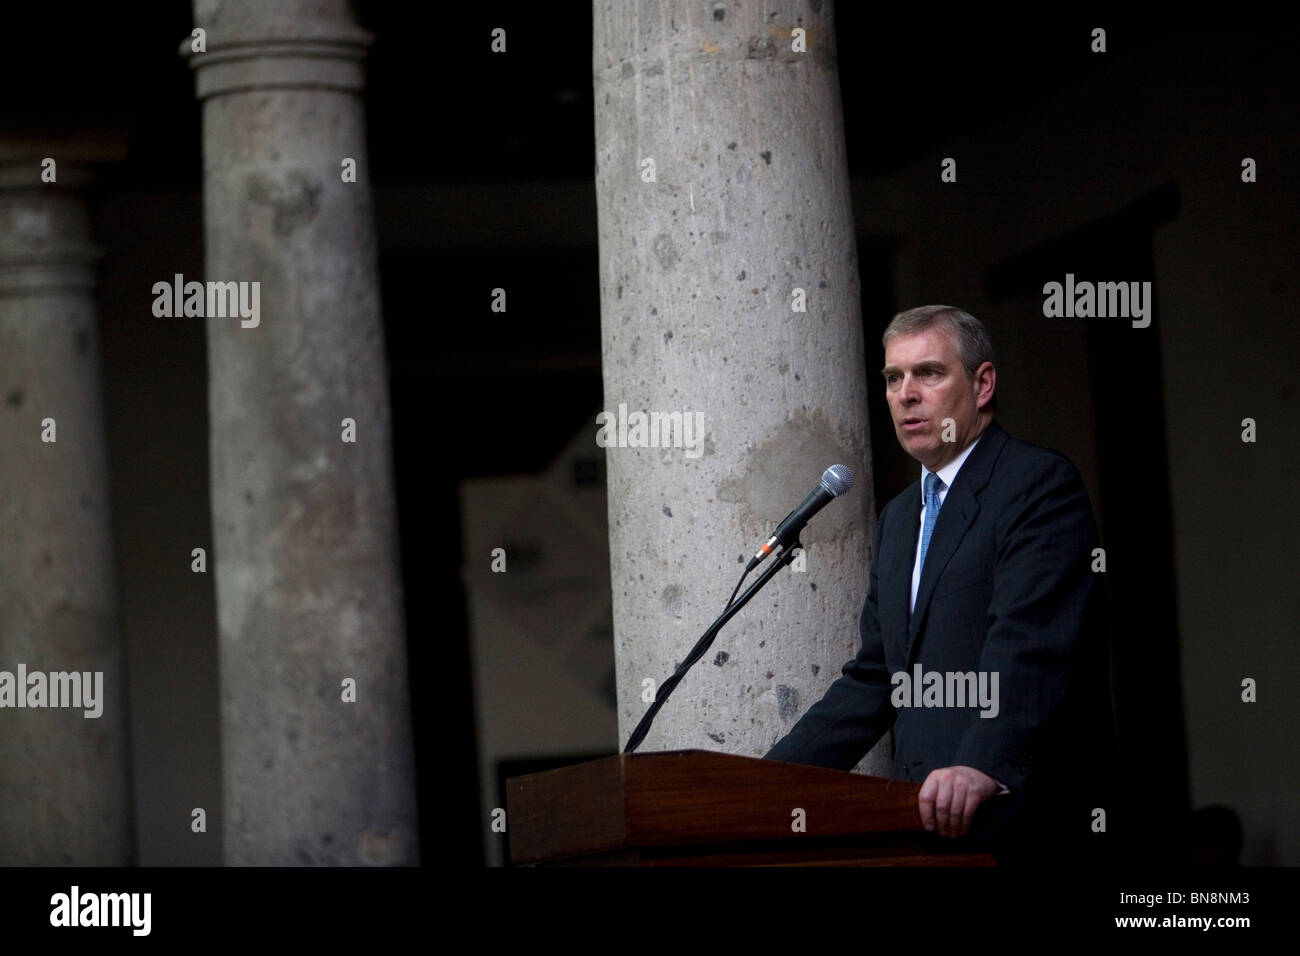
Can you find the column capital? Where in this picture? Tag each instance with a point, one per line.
(45, 243)
(258, 47)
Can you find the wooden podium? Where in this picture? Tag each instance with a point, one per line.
(699, 808)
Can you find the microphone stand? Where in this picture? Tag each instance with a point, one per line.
(665, 690)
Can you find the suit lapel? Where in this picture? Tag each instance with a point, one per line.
(898, 553)
(960, 506)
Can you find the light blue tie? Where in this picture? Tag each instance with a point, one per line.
(932, 484)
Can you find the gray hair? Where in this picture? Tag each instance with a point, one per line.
(974, 346)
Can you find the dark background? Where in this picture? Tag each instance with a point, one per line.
(482, 169)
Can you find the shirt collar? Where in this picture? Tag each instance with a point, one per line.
(948, 473)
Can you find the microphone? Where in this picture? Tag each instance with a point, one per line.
(836, 480)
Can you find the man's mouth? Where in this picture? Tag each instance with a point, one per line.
(912, 422)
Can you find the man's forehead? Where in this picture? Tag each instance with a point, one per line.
(932, 345)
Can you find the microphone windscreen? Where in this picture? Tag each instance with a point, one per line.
(837, 479)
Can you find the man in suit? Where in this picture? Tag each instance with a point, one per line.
(981, 583)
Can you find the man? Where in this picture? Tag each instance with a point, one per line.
(982, 575)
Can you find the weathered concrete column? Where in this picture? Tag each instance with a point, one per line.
(64, 789)
(306, 555)
(723, 203)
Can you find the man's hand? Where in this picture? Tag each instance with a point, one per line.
(950, 796)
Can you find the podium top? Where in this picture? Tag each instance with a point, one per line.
(694, 797)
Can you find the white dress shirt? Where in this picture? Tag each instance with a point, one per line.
(947, 475)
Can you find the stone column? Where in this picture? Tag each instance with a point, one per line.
(307, 577)
(64, 790)
(723, 202)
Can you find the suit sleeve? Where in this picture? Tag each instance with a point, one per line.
(855, 712)
(1042, 585)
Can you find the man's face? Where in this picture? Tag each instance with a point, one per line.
(925, 384)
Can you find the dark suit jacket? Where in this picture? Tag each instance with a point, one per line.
(1007, 587)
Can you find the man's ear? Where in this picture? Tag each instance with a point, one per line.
(986, 378)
